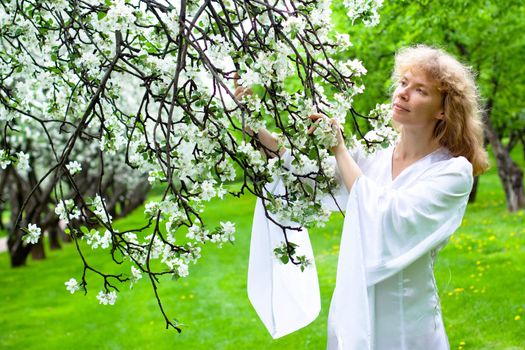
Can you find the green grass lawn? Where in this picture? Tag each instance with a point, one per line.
(480, 274)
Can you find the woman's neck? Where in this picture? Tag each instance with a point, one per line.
(415, 145)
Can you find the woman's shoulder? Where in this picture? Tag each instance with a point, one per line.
(455, 171)
(451, 163)
(361, 153)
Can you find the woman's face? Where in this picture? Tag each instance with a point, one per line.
(417, 102)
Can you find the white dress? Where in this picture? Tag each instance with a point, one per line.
(385, 295)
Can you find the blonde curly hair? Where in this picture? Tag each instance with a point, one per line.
(461, 129)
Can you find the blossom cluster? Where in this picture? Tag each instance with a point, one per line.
(32, 235)
(107, 298)
(67, 211)
(367, 10)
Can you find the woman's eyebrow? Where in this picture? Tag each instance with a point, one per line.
(419, 83)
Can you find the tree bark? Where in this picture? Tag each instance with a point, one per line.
(474, 192)
(54, 241)
(17, 251)
(510, 174)
(37, 250)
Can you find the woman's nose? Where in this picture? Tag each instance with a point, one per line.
(403, 93)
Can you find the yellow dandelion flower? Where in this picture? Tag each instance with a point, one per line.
(517, 318)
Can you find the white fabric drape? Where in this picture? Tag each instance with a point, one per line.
(285, 298)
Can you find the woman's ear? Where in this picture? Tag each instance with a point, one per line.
(441, 115)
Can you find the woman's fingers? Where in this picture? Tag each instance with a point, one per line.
(235, 78)
(315, 118)
(240, 91)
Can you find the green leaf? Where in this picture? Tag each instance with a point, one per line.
(101, 15)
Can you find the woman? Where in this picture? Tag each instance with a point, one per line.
(404, 203)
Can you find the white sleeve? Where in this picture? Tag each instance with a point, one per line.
(285, 298)
(385, 230)
(337, 200)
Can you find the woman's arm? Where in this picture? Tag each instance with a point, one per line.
(348, 168)
(270, 143)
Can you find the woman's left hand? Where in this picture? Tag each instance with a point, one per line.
(335, 125)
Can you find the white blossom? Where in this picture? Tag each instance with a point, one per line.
(32, 235)
(221, 191)
(182, 269)
(108, 298)
(100, 210)
(72, 285)
(120, 16)
(22, 164)
(74, 167)
(197, 233)
(66, 210)
(207, 189)
(106, 240)
(293, 25)
(228, 229)
(366, 9)
(156, 175)
(136, 275)
(4, 159)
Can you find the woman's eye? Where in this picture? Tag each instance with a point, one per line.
(421, 91)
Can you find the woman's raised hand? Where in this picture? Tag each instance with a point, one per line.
(269, 142)
(240, 91)
(335, 125)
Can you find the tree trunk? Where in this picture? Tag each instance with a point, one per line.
(474, 192)
(17, 251)
(54, 241)
(510, 174)
(37, 250)
(62, 236)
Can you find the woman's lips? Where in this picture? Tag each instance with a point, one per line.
(400, 108)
